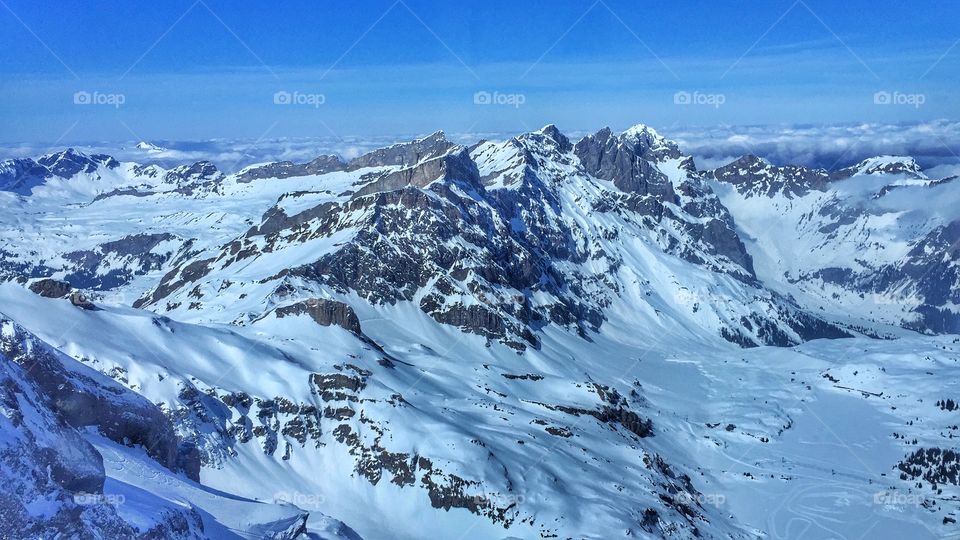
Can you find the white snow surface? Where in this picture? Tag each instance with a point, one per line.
(806, 456)
(798, 442)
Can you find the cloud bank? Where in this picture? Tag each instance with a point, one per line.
(935, 145)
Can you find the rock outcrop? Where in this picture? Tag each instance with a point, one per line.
(51, 288)
(44, 460)
(324, 312)
(85, 398)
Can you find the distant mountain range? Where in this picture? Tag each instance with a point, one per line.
(488, 340)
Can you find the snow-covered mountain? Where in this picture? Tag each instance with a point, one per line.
(879, 240)
(529, 338)
(149, 147)
(85, 457)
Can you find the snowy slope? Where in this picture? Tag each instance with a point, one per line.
(877, 241)
(85, 457)
(499, 242)
(783, 423)
(529, 338)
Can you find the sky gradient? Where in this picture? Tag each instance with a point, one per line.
(191, 70)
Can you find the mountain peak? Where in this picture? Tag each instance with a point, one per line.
(752, 159)
(149, 147)
(640, 129)
(549, 129)
(888, 164)
(436, 136)
(69, 153)
(71, 162)
(405, 154)
(551, 132)
(199, 172)
(753, 175)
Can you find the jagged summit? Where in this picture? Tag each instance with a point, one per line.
(640, 130)
(888, 165)
(199, 171)
(69, 153)
(150, 147)
(752, 161)
(753, 175)
(405, 154)
(23, 175)
(629, 160)
(551, 132)
(70, 162)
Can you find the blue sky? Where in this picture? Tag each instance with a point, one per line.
(211, 69)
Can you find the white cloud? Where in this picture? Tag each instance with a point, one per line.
(934, 144)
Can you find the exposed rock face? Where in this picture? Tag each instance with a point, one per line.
(197, 180)
(176, 278)
(345, 414)
(83, 398)
(427, 224)
(857, 226)
(488, 240)
(51, 288)
(324, 312)
(117, 262)
(295, 528)
(613, 409)
(81, 301)
(924, 283)
(287, 169)
(405, 154)
(215, 421)
(189, 174)
(906, 166)
(455, 166)
(754, 176)
(520, 241)
(21, 176)
(70, 163)
(106, 266)
(633, 161)
(930, 269)
(628, 160)
(45, 458)
(201, 177)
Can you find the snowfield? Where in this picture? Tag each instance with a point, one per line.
(531, 338)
